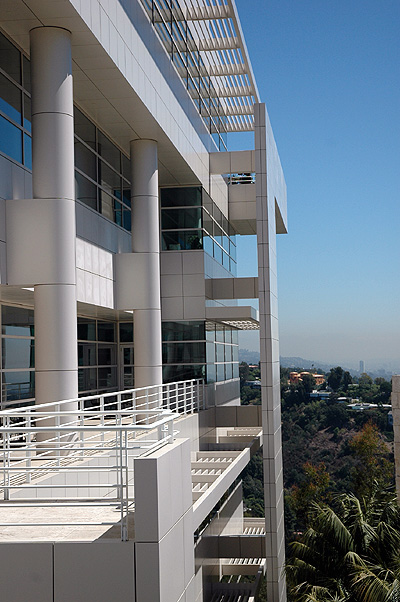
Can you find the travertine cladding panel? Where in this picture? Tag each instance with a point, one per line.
(182, 285)
(94, 274)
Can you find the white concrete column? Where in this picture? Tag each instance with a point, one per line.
(146, 241)
(53, 188)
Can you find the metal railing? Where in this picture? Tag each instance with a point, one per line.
(81, 451)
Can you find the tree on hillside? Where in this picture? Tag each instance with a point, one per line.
(347, 380)
(308, 383)
(335, 378)
(350, 553)
(244, 372)
(314, 488)
(373, 464)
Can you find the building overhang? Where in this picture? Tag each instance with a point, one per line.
(241, 317)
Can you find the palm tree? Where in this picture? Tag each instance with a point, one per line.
(349, 553)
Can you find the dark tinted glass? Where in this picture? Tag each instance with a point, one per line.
(106, 331)
(10, 59)
(84, 128)
(109, 152)
(85, 160)
(10, 99)
(86, 329)
(126, 332)
(27, 73)
(180, 197)
(85, 191)
(28, 151)
(17, 321)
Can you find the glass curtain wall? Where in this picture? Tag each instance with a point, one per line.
(199, 350)
(102, 173)
(17, 356)
(190, 220)
(105, 356)
(15, 104)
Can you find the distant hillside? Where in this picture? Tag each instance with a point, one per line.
(253, 357)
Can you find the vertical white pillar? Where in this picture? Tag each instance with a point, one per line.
(146, 240)
(53, 187)
(269, 363)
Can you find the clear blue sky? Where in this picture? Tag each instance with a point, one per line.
(329, 73)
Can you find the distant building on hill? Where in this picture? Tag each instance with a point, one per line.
(362, 366)
(296, 377)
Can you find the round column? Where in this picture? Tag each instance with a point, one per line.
(146, 239)
(53, 184)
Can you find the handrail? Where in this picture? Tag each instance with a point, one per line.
(83, 449)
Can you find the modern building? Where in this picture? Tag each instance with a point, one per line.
(121, 427)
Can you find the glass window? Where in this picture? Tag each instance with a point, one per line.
(107, 205)
(108, 151)
(172, 219)
(220, 372)
(126, 193)
(220, 349)
(210, 347)
(126, 219)
(27, 73)
(228, 371)
(109, 179)
(10, 60)
(17, 321)
(235, 371)
(10, 140)
(186, 240)
(87, 354)
(126, 167)
(106, 355)
(126, 332)
(84, 128)
(107, 377)
(106, 331)
(217, 253)
(10, 99)
(87, 379)
(18, 385)
(86, 329)
(27, 113)
(180, 197)
(18, 354)
(182, 372)
(211, 373)
(85, 160)
(85, 191)
(177, 353)
(183, 331)
(28, 151)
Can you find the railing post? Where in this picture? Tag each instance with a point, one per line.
(58, 438)
(185, 397)
(203, 395)
(6, 461)
(28, 448)
(170, 431)
(102, 417)
(147, 406)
